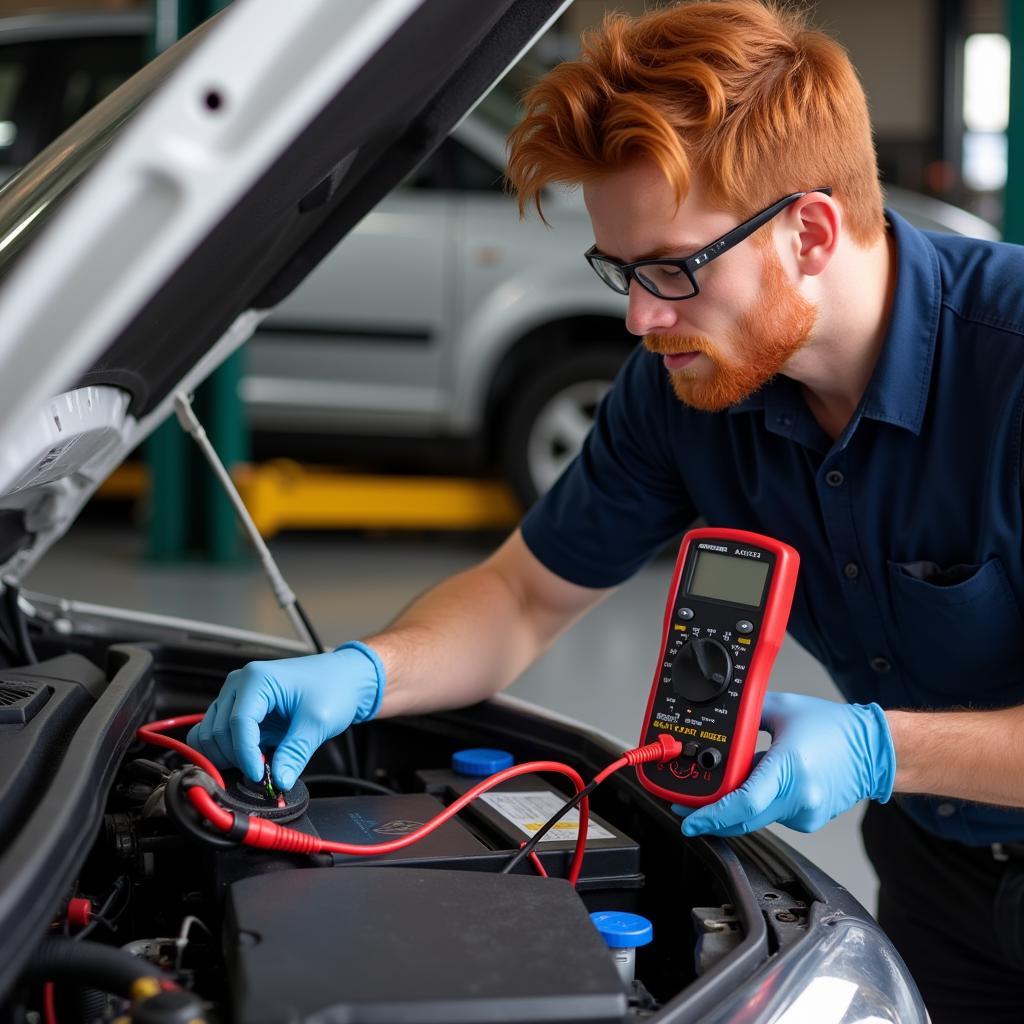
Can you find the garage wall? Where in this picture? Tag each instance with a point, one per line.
(894, 48)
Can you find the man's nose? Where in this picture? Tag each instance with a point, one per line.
(646, 313)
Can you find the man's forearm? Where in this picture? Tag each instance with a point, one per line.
(459, 643)
(478, 631)
(973, 755)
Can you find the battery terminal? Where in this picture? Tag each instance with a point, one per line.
(270, 789)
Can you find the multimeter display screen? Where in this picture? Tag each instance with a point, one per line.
(727, 578)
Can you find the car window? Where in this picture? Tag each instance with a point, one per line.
(456, 168)
(94, 68)
(501, 108)
(32, 196)
(472, 173)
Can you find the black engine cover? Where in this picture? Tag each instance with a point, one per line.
(415, 946)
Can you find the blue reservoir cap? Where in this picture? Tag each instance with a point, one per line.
(481, 761)
(621, 930)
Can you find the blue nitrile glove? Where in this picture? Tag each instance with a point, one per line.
(824, 757)
(295, 704)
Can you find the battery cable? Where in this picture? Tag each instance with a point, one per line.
(202, 786)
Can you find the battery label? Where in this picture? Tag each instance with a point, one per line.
(529, 811)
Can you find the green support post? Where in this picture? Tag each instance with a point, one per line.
(190, 516)
(222, 412)
(169, 493)
(1013, 216)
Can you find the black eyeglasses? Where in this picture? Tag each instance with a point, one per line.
(674, 279)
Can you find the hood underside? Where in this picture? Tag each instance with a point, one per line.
(146, 243)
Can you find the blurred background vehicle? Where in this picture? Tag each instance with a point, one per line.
(444, 334)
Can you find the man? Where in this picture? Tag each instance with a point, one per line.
(826, 375)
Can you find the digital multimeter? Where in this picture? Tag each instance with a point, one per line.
(726, 616)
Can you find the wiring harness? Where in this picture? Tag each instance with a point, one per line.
(203, 787)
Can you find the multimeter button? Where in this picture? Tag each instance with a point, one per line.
(701, 671)
(744, 626)
(710, 757)
(686, 613)
(691, 749)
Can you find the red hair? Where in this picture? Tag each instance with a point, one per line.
(740, 92)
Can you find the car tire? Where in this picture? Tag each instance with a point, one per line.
(550, 412)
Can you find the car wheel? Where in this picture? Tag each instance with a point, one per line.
(550, 414)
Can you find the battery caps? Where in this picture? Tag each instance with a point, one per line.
(621, 930)
(481, 761)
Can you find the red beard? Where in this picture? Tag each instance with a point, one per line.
(767, 336)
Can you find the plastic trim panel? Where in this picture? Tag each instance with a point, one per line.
(45, 857)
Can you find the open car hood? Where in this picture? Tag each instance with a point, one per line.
(145, 244)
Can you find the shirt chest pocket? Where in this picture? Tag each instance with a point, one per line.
(961, 632)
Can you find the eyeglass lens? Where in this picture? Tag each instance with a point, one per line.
(611, 275)
(667, 281)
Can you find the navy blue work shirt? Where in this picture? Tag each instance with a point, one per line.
(909, 526)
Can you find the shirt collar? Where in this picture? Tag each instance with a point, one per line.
(897, 392)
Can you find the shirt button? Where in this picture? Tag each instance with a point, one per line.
(945, 810)
(834, 478)
(851, 570)
(880, 664)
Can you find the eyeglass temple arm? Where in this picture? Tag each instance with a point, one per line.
(745, 230)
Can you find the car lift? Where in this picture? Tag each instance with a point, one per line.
(282, 495)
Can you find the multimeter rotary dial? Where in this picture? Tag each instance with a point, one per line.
(701, 671)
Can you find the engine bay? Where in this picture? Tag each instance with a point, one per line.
(101, 849)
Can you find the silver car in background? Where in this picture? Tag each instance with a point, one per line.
(444, 332)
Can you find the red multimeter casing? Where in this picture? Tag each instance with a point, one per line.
(724, 622)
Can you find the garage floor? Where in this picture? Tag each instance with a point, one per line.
(351, 585)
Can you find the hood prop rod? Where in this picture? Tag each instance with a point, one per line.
(285, 595)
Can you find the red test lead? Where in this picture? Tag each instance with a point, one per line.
(263, 834)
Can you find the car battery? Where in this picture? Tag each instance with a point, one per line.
(513, 811)
(369, 819)
(366, 820)
(481, 838)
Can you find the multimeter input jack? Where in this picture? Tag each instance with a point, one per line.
(706, 757)
(709, 757)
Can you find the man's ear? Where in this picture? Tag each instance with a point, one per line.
(817, 221)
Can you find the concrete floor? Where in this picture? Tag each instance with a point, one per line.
(352, 585)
